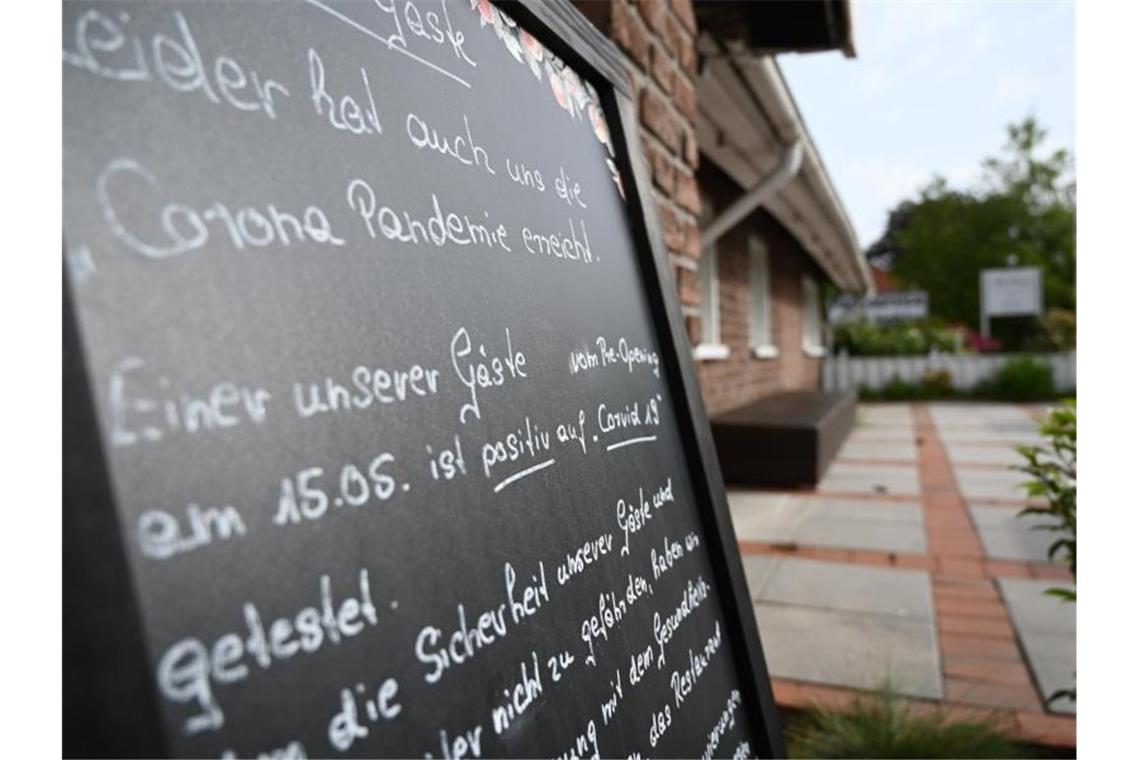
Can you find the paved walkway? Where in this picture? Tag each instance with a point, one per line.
(908, 565)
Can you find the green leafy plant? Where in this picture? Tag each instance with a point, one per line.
(1054, 473)
(882, 725)
(1054, 478)
(1021, 378)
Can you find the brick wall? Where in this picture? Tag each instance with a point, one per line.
(743, 377)
(658, 40)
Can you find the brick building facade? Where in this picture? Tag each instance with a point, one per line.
(742, 375)
(755, 319)
(658, 39)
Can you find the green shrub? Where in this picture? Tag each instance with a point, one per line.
(935, 384)
(881, 725)
(897, 389)
(912, 339)
(938, 383)
(1021, 378)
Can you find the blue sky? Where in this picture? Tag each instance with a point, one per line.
(931, 90)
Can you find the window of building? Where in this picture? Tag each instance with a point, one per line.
(813, 322)
(760, 316)
(708, 277)
(710, 346)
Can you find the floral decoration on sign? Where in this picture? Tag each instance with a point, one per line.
(575, 96)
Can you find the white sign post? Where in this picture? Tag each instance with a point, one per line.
(1010, 292)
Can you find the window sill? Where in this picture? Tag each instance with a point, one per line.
(815, 352)
(705, 352)
(765, 352)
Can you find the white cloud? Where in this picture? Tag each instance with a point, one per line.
(888, 180)
(887, 25)
(981, 41)
(875, 186)
(962, 176)
(876, 78)
(1016, 88)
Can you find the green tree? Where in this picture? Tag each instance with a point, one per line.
(885, 251)
(1024, 207)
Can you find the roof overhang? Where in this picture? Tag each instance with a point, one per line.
(747, 121)
(781, 26)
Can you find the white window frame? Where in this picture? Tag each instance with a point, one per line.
(760, 309)
(710, 348)
(813, 319)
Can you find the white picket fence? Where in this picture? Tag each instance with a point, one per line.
(842, 372)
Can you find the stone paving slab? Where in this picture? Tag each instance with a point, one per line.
(1009, 537)
(846, 477)
(991, 484)
(883, 427)
(1021, 423)
(883, 420)
(1014, 426)
(965, 453)
(758, 570)
(1010, 434)
(846, 625)
(957, 412)
(873, 435)
(879, 451)
(811, 520)
(1047, 628)
(850, 649)
(884, 414)
(984, 423)
(985, 435)
(991, 433)
(893, 592)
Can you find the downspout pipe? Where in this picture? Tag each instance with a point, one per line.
(747, 203)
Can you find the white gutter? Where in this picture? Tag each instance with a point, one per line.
(786, 107)
(749, 201)
(746, 108)
(817, 168)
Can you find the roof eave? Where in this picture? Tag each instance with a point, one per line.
(748, 118)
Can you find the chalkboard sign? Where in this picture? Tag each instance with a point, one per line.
(381, 437)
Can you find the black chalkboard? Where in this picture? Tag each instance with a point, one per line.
(381, 436)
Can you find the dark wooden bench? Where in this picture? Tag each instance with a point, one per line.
(785, 440)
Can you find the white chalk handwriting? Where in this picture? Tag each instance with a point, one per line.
(187, 229)
(188, 670)
(104, 48)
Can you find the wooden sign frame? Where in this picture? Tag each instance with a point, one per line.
(568, 34)
(109, 701)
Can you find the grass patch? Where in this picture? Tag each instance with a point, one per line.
(882, 725)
